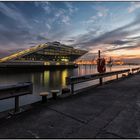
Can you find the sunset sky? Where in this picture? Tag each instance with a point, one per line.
(113, 27)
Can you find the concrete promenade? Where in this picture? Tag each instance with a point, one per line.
(108, 111)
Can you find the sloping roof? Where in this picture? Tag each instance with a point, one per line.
(37, 48)
(23, 53)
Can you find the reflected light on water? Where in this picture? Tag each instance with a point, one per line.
(41, 78)
(64, 75)
(46, 77)
(32, 78)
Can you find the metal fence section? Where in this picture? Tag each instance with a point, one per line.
(84, 78)
(14, 91)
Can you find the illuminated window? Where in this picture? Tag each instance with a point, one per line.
(64, 59)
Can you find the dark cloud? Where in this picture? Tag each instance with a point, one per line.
(41, 38)
(119, 42)
(115, 36)
(70, 40)
(18, 27)
(121, 48)
(16, 36)
(83, 40)
(110, 36)
(135, 38)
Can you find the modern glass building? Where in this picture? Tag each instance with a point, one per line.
(51, 53)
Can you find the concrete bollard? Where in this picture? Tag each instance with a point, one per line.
(44, 96)
(54, 93)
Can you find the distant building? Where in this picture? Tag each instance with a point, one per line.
(118, 62)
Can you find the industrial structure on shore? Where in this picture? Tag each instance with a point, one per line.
(43, 55)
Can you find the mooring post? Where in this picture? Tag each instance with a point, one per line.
(16, 104)
(72, 88)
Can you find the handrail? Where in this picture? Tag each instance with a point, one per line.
(14, 91)
(136, 69)
(84, 78)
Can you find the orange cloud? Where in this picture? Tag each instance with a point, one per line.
(125, 53)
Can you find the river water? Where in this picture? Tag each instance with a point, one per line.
(47, 80)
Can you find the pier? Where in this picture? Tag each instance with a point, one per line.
(35, 65)
(108, 111)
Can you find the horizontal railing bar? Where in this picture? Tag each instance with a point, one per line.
(133, 69)
(84, 78)
(19, 89)
(15, 91)
(101, 73)
(14, 86)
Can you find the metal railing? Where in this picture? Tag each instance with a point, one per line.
(15, 91)
(135, 69)
(84, 78)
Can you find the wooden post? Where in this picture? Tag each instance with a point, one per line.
(17, 104)
(72, 88)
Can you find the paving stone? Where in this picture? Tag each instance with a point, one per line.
(39, 124)
(124, 124)
(91, 129)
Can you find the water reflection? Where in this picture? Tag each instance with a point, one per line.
(64, 75)
(47, 80)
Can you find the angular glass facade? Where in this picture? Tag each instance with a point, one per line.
(51, 51)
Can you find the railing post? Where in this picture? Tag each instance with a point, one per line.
(101, 81)
(72, 88)
(128, 72)
(116, 76)
(17, 104)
